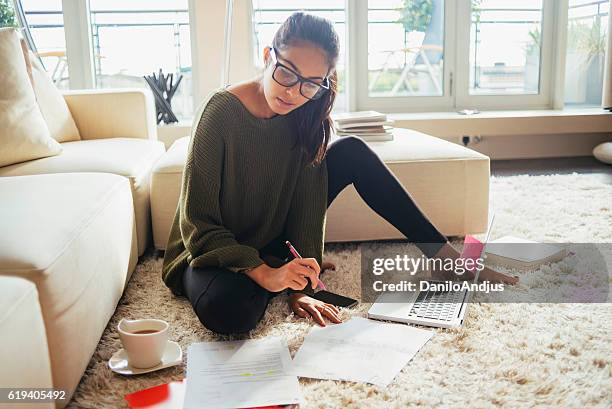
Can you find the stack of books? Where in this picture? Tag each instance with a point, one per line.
(371, 126)
(523, 254)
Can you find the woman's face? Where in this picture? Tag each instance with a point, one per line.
(307, 60)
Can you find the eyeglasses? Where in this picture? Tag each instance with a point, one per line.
(286, 77)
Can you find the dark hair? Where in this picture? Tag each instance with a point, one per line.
(312, 120)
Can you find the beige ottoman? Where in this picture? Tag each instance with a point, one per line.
(74, 236)
(450, 184)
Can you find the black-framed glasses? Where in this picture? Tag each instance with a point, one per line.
(286, 77)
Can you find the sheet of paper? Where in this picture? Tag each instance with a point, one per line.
(359, 350)
(239, 374)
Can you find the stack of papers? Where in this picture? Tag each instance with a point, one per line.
(371, 126)
(256, 373)
(240, 374)
(359, 350)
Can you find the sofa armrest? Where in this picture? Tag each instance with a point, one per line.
(113, 113)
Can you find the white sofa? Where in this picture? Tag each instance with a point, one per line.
(450, 184)
(74, 183)
(73, 235)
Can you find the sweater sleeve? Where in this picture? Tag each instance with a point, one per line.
(305, 225)
(206, 239)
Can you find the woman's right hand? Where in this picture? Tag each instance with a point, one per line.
(290, 275)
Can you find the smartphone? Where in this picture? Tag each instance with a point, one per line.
(335, 299)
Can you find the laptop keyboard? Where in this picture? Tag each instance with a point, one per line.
(438, 305)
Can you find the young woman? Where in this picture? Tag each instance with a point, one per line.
(259, 172)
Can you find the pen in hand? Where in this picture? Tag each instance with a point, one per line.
(297, 255)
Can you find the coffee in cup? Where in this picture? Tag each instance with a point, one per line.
(144, 341)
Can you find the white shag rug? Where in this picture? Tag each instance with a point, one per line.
(505, 355)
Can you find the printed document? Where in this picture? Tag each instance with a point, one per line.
(359, 350)
(239, 374)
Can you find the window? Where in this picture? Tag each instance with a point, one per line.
(405, 55)
(402, 58)
(134, 38)
(268, 15)
(505, 55)
(505, 40)
(437, 55)
(585, 53)
(405, 48)
(46, 22)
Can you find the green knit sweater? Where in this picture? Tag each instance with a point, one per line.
(245, 184)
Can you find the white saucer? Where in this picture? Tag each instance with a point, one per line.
(173, 355)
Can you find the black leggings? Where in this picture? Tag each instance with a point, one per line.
(226, 302)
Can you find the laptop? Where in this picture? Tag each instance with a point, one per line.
(442, 309)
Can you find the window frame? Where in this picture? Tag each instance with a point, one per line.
(79, 44)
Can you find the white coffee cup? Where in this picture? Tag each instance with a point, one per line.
(144, 341)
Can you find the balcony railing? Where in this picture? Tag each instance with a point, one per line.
(97, 26)
(125, 73)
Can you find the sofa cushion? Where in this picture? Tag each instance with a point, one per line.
(24, 354)
(129, 157)
(52, 104)
(73, 235)
(24, 134)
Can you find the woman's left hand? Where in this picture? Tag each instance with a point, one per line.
(307, 307)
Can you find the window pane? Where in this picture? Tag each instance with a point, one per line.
(585, 58)
(405, 48)
(505, 43)
(46, 24)
(136, 38)
(268, 15)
